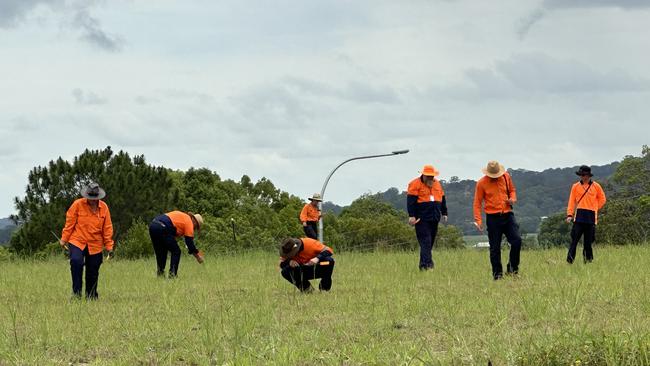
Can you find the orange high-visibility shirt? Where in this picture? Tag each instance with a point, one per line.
(182, 222)
(309, 213)
(493, 192)
(311, 248)
(83, 227)
(425, 193)
(593, 200)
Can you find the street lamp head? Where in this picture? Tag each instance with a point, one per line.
(400, 152)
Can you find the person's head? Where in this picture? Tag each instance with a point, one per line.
(584, 172)
(197, 221)
(93, 193)
(494, 169)
(428, 174)
(290, 247)
(315, 199)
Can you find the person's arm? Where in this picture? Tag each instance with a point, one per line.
(303, 216)
(600, 196)
(70, 222)
(189, 242)
(478, 203)
(107, 231)
(513, 190)
(443, 206)
(571, 206)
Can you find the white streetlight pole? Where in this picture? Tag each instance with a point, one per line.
(322, 191)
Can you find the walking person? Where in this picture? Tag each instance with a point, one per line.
(426, 205)
(310, 215)
(305, 259)
(586, 198)
(164, 230)
(496, 194)
(89, 230)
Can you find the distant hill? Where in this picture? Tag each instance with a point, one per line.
(539, 194)
(6, 228)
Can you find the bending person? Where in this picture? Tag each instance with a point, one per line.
(164, 230)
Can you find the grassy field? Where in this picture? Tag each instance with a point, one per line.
(237, 310)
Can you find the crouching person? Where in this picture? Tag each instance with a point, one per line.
(306, 259)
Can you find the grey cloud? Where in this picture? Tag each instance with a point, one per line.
(541, 73)
(548, 6)
(142, 100)
(87, 97)
(354, 91)
(94, 34)
(13, 12)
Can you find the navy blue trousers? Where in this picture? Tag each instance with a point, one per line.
(589, 232)
(78, 259)
(311, 230)
(426, 232)
(300, 276)
(164, 241)
(497, 226)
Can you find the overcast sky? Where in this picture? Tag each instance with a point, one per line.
(288, 89)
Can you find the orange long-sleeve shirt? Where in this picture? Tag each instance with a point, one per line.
(182, 222)
(311, 248)
(83, 227)
(594, 199)
(493, 192)
(309, 213)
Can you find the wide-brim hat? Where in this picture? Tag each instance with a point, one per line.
(584, 170)
(93, 192)
(199, 219)
(290, 247)
(429, 171)
(494, 169)
(316, 197)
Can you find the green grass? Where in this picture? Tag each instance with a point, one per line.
(237, 310)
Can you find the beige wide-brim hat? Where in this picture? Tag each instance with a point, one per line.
(198, 218)
(93, 192)
(494, 169)
(316, 197)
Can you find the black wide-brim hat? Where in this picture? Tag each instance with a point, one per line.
(584, 170)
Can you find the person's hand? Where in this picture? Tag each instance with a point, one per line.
(510, 201)
(479, 226)
(569, 219)
(313, 261)
(110, 254)
(413, 220)
(444, 218)
(293, 264)
(304, 224)
(63, 244)
(199, 256)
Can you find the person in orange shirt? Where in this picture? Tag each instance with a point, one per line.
(426, 205)
(496, 194)
(88, 227)
(305, 259)
(164, 230)
(586, 198)
(310, 215)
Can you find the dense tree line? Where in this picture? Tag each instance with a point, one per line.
(239, 215)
